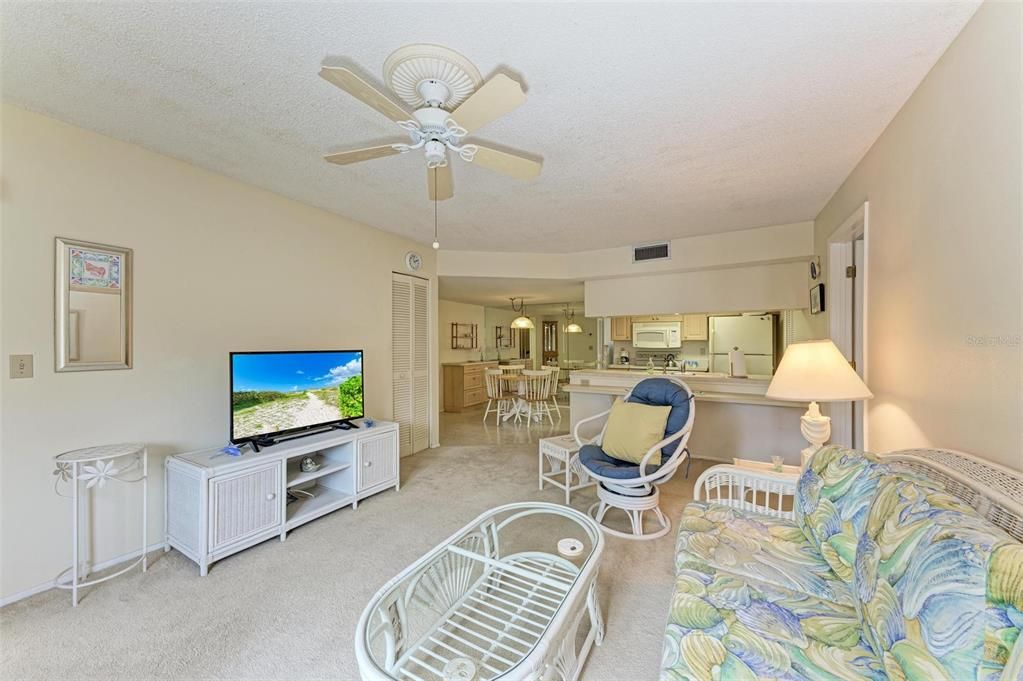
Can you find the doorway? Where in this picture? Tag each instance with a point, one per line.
(847, 319)
(550, 343)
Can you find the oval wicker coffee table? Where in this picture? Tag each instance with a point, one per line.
(495, 600)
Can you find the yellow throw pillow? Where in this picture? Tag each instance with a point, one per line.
(632, 429)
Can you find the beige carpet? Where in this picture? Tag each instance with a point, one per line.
(289, 610)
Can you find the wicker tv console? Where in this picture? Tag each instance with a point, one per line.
(218, 505)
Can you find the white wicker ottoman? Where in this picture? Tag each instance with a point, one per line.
(494, 601)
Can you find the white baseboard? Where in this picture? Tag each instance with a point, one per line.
(21, 595)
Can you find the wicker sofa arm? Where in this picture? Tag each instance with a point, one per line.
(749, 490)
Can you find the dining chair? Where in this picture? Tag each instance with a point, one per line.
(513, 368)
(536, 393)
(495, 395)
(555, 377)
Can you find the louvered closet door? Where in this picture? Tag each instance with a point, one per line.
(401, 358)
(420, 365)
(410, 350)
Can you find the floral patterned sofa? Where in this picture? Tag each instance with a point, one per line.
(877, 573)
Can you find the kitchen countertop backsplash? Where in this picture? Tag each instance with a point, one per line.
(693, 353)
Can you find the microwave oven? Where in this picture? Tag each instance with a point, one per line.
(657, 335)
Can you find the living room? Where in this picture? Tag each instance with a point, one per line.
(211, 143)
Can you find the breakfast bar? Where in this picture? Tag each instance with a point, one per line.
(734, 418)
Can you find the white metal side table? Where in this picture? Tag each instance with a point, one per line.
(555, 459)
(93, 467)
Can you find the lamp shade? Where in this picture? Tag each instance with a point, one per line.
(522, 322)
(573, 328)
(816, 371)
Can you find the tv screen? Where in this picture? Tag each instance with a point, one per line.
(273, 393)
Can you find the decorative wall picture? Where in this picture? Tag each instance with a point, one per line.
(817, 299)
(92, 306)
(95, 270)
(72, 336)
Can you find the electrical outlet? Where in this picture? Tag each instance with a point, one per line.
(21, 366)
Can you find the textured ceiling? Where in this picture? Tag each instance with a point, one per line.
(654, 121)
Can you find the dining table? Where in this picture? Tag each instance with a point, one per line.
(515, 385)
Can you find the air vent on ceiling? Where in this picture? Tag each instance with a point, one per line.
(661, 251)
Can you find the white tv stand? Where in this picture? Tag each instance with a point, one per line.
(217, 505)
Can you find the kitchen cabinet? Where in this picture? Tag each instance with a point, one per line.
(621, 328)
(694, 327)
(465, 384)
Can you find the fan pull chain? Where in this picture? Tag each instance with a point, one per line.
(436, 192)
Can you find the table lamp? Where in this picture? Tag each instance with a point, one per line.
(816, 371)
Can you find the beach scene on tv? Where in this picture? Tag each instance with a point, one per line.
(280, 391)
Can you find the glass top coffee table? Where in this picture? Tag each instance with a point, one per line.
(497, 600)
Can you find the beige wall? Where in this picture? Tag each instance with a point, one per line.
(944, 319)
(449, 312)
(219, 266)
(761, 287)
(496, 316)
(747, 247)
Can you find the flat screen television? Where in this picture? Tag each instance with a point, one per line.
(276, 394)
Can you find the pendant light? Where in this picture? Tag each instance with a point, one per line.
(571, 327)
(436, 242)
(522, 321)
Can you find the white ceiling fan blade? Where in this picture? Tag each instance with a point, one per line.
(498, 96)
(438, 183)
(519, 167)
(356, 155)
(361, 90)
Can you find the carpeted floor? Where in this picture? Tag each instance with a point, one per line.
(289, 610)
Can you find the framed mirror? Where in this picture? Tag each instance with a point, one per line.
(92, 306)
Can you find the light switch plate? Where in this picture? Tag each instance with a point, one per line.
(21, 366)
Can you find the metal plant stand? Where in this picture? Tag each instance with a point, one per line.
(94, 467)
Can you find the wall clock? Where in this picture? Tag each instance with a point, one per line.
(413, 261)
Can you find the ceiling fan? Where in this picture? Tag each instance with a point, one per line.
(450, 101)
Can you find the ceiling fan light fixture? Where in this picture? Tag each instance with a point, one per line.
(449, 100)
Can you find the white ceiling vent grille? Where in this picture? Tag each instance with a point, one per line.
(660, 251)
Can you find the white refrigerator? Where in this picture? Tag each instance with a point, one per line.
(753, 335)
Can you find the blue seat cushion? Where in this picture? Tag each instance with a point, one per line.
(596, 461)
(663, 392)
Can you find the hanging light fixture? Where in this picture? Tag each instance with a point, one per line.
(522, 321)
(571, 327)
(436, 242)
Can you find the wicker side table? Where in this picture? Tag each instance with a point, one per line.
(555, 459)
(93, 467)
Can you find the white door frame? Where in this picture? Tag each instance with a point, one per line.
(840, 311)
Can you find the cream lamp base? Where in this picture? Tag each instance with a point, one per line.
(816, 428)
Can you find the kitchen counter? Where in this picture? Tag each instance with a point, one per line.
(705, 386)
(470, 363)
(734, 418)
